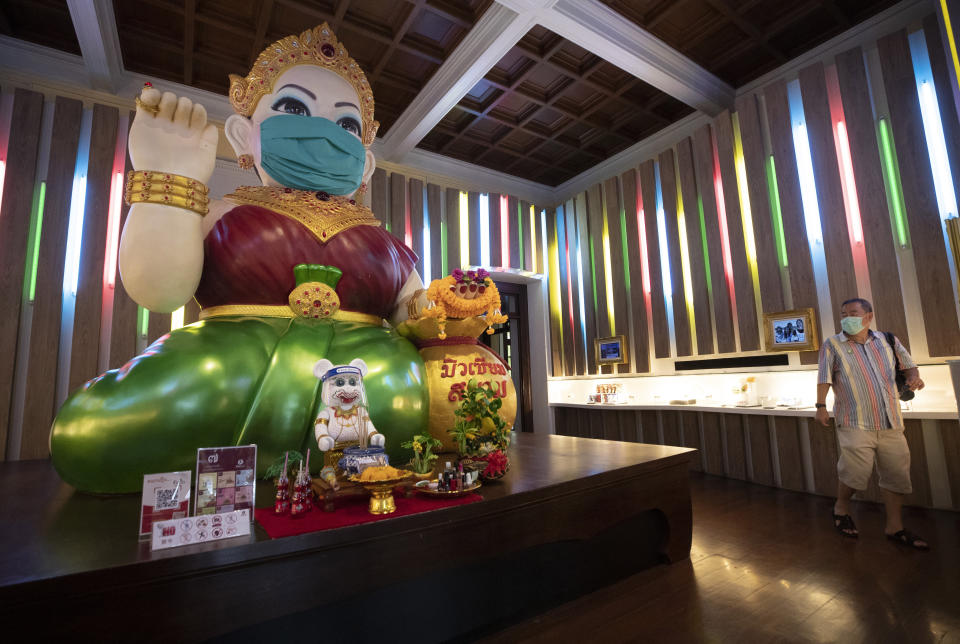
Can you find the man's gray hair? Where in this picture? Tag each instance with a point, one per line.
(865, 304)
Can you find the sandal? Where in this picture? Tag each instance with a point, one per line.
(845, 525)
(909, 539)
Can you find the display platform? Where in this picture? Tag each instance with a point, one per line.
(571, 515)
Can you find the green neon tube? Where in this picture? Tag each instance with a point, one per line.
(143, 320)
(891, 179)
(444, 268)
(774, 195)
(33, 245)
(623, 242)
(703, 241)
(520, 234)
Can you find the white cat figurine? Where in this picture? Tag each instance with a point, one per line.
(344, 418)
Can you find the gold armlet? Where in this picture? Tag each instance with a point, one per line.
(322, 421)
(150, 176)
(134, 187)
(169, 200)
(413, 304)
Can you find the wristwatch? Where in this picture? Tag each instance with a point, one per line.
(819, 405)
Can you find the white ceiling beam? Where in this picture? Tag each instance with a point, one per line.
(604, 32)
(497, 31)
(96, 29)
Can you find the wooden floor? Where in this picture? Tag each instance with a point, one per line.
(767, 566)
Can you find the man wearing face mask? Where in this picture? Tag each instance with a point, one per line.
(860, 365)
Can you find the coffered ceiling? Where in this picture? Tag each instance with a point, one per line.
(538, 89)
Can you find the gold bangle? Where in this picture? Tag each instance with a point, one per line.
(167, 177)
(166, 188)
(169, 200)
(322, 421)
(413, 305)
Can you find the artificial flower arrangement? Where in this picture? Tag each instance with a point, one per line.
(480, 432)
(463, 295)
(423, 456)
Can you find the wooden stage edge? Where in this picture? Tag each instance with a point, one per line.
(572, 515)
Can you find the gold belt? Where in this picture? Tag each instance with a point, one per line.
(283, 311)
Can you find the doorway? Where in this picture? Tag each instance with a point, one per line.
(511, 341)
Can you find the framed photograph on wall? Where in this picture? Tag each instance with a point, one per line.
(791, 330)
(611, 350)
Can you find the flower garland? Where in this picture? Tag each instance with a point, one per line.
(447, 303)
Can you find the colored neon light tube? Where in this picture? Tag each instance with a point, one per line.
(642, 235)
(520, 263)
(143, 320)
(933, 127)
(662, 239)
(801, 149)
(773, 193)
(484, 229)
(579, 264)
(891, 177)
(722, 220)
(703, 242)
(950, 40)
(624, 248)
(176, 319)
(33, 259)
(533, 240)
(505, 232)
(3, 173)
(427, 250)
(554, 279)
(608, 269)
(543, 239)
(564, 260)
(113, 230)
(684, 256)
(847, 181)
(743, 192)
(464, 230)
(444, 260)
(78, 198)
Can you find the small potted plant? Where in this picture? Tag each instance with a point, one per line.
(480, 432)
(423, 456)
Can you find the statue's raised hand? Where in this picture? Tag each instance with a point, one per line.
(172, 135)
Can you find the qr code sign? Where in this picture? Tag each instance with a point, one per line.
(167, 499)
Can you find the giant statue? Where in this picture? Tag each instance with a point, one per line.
(286, 273)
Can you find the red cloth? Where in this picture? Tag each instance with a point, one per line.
(351, 511)
(250, 253)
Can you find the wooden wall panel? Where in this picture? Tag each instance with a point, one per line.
(723, 315)
(768, 264)
(538, 251)
(668, 187)
(826, 172)
(742, 279)
(398, 205)
(713, 444)
(438, 222)
(929, 248)
(758, 434)
(495, 246)
(698, 270)
(735, 435)
(639, 336)
(18, 190)
(611, 425)
(595, 226)
(627, 424)
(529, 235)
(158, 325)
(579, 354)
(803, 286)
(691, 437)
(453, 230)
(191, 313)
(379, 196)
(874, 210)
(658, 308)
(618, 280)
(473, 217)
(566, 329)
(123, 327)
(555, 308)
(788, 453)
(89, 303)
(949, 431)
(919, 472)
(516, 255)
(416, 221)
(589, 312)
(823, 457)
(671, 428)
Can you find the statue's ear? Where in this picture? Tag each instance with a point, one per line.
(322, 367)
(238, 129)
(369, 165)
(359, 364)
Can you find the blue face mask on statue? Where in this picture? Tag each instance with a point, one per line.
(852, 324)
(311, 153)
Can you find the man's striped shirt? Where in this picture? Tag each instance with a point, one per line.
(863, 379)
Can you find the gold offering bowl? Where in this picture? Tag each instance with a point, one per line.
(381, 492)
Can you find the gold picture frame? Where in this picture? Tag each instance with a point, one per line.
(794, 330)
(612, 350)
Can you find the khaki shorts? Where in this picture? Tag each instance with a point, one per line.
(859, 448)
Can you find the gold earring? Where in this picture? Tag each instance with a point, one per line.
(245, 161)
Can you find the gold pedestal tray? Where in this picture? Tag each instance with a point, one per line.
(381, 492)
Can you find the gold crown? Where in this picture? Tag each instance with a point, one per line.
(317, 46)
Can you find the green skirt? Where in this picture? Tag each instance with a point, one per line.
(229, 381)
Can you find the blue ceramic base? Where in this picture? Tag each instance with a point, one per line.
(357, 459)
